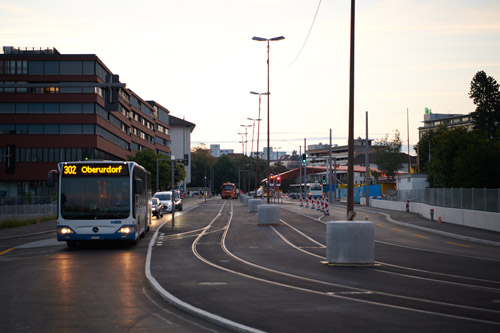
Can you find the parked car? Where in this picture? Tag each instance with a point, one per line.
(156, 208)
(166, 200)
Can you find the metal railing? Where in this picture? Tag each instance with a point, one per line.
(23, 206)
(482, 199)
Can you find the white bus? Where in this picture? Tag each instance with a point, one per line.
(102, 200)
(311, 190)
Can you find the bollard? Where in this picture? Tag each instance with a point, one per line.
(439, 220)
(327, 210)
(432, 215)
(350, 243)
(407, 206)
(301, 202)
(37, 220)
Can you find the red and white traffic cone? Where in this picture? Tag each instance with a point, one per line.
(439, 220)
(318, 207)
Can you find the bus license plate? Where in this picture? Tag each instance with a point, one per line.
(95, 237)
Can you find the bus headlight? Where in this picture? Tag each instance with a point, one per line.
(65, 230)
(126, 230)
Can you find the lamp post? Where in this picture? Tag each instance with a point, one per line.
(258, 139)
(277, 153)
(242, 143)
(261, 39)
(246, 133)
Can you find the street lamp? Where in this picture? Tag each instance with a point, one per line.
(261, 39)
(277, 153)
(258, 139)
(246, 133)
(242, 143)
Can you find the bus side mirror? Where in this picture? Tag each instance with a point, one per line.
(51, 180)
(137, 186)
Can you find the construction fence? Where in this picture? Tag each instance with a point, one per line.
(482, 199)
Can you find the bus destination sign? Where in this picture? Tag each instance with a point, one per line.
(95, 169)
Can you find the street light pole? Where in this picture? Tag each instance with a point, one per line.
(260, 39)
(258, 139)
(246, 140)
(350, 154)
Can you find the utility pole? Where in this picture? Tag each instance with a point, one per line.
(329, 173)
(350, 154)
(367, 162)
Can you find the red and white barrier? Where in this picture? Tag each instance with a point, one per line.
(327, 210)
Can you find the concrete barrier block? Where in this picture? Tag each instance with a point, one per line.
(245, 200)
(268, 214)
(253, 204)
(350, 242)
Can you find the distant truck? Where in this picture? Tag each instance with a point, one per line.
(228, 191)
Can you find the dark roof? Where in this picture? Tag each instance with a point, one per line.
(174, 121)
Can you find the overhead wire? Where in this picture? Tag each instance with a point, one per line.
(307, 37)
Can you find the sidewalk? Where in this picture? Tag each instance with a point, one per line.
(29, 230)
(413, 220)
(449, 229)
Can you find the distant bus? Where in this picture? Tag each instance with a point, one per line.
(314, 190)
(228, 191)
(102, 200)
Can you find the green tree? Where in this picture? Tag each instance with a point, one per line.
(445, 144)
(485, 93)
(388, 154)
(148, 158)
(201, 164)
(477, 164)
(460, 158)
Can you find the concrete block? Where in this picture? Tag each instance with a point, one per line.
(253, 203)
(350, 242)
(245, 200)
(268, 214)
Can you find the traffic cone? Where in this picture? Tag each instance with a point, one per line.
(37, 220)
(439, 220)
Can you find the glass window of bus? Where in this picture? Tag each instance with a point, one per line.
(95, 198)
(228, 187)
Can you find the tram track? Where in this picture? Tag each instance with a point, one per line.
(219, 228)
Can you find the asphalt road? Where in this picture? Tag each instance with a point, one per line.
(216, 270)
(48, 287)
(273, 278)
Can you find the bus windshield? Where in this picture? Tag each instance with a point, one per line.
(228, 187)
(102, 197)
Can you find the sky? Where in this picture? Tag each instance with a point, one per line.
(197, 58)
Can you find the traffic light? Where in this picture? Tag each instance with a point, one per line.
(324, 180)
(271, 180)
(278, 181)
(304, 159)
